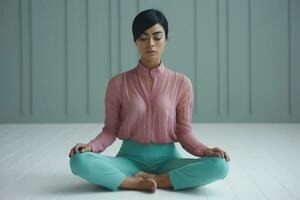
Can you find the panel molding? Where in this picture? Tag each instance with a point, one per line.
(240, 72)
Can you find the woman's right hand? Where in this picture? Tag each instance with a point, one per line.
(80, 147)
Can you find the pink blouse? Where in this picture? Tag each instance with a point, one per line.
(163, 115)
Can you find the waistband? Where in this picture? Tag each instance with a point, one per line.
(133, 148)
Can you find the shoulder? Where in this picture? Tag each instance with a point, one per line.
(183, 80)
(182, 77)
(186, 80)
(116, 80)
(122, 77)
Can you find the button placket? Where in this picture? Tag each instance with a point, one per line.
(151, 81)
(150, 103)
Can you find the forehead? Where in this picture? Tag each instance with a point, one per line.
(155, 29)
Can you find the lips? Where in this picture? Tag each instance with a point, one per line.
(151, 51)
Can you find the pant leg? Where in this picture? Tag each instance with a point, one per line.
(193, 172)
(103, 170)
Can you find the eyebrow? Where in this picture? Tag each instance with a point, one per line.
(152, 33)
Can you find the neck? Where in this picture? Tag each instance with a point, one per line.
(150, 63)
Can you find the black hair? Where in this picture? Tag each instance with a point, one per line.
(146, 19)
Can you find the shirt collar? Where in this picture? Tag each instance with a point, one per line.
(141, 69)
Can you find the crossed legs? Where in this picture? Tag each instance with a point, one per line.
(180, 173)
(119, 172)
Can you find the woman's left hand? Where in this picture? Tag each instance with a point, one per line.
(216, 152)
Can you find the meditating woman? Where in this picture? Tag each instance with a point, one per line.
(149, 108)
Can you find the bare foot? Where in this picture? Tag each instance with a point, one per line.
(162, 180)
(147, 184)
(145, 175)
(139, 183)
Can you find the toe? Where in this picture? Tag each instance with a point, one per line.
(154, 184)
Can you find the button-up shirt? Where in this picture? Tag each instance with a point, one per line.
(160, 115)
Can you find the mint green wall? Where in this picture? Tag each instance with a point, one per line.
(57, 56)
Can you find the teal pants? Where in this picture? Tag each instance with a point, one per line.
(110, 172)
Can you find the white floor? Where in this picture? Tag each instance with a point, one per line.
(265, 163)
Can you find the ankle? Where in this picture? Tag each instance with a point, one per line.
(163, 181)
(157, 178)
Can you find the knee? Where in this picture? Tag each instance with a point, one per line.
(219, 167)
(78, 162)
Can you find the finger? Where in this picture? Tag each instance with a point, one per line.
(222, 154)
(217, 152)
(218, 149)
(71, 153)
(76, 148)
(227, 157)
(214, 154)
(82, 150)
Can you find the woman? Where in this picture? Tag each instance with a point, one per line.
(148, 107)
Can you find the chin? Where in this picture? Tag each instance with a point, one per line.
(151, 56)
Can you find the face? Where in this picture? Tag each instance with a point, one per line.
(151, 43)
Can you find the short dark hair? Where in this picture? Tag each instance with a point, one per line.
(146, 19)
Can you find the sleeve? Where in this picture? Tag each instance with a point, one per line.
(184, 120)
(112, 121)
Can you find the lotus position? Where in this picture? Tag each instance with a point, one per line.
(149, 108)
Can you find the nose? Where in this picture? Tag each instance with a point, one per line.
(151, 42)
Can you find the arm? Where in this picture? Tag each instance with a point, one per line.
(112, 121)
(184, 120)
